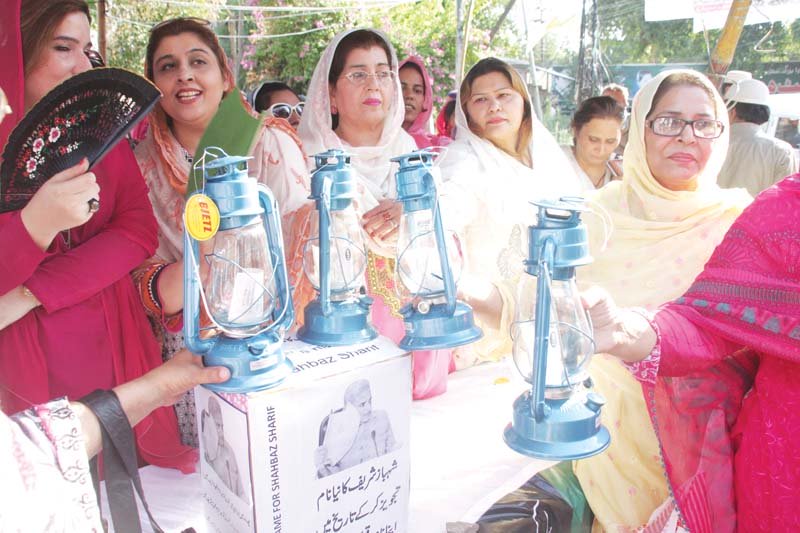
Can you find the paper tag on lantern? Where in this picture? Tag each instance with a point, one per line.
(201, 217)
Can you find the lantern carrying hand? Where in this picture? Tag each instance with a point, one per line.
(621, 332)
(182, 373)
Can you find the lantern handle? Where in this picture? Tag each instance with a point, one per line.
(542, 329)
(191, 299)
(325, 245)
(213, 152)
(441, 246)
(272, 226)
(605, 218)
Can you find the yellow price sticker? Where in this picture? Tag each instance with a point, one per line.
(201, 217)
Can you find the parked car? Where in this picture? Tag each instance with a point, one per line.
(784, 118)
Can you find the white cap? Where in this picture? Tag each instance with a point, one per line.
(731, 78)
(749, 92)
(734, 76)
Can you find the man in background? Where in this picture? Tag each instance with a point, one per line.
(755, 161)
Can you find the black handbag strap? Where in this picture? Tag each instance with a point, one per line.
(120, 466)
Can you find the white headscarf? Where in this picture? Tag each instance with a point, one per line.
(372, 163)
(488, 190)
(485, 198)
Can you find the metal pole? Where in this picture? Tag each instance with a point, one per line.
(537, 104)
(579, 74)
(235, 55)
(459, 42)
(587, 55)
(101, 27)
(595, 46)
(722, 56)
(465, 40)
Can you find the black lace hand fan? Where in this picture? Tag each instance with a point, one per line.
(83, 117)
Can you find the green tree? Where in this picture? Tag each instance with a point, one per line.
(286, 45)
(426, 28)
(625, 37)
(130, 21)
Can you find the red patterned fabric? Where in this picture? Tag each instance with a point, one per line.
(726, 403)
(442, 127)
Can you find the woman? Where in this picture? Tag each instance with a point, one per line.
(737, 468)
(355, 104)
(418, 99)
(667, 216)
(446, 119)
(278, 100)
(186, 62)
(502, 159)
(71, 318)
(596, 130)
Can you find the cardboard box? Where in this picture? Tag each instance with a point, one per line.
(327, 451)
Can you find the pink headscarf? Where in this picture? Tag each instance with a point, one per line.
(419, 128)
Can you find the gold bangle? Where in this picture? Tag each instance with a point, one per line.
(27, 292)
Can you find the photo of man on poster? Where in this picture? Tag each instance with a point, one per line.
(217, 451)
(354, 433)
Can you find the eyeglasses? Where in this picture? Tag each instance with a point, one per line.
(95, 59)
(360, 77)
(672, 127)
(285, 110)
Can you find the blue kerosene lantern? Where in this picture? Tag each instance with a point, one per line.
(559, 417)
(239, 272)
(335, 259)
(429, 261)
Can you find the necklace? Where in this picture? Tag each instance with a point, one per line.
(597, 184)
(186, 155)
(66, 236)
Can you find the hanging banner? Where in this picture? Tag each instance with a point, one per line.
(711, 14)
(658, 10)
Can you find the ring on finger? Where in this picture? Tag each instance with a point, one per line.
(94, 205)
